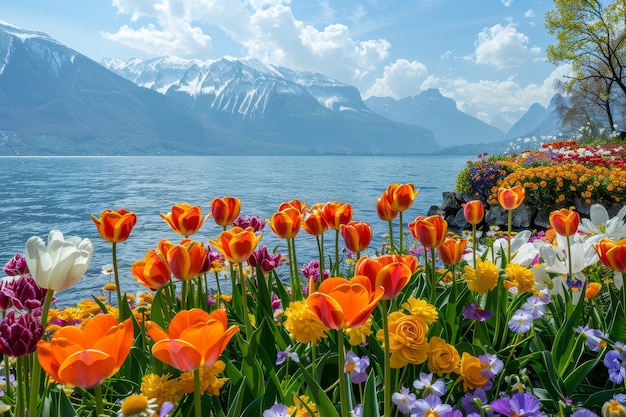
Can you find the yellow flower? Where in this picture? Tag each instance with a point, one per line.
(407, 339)
(443, 358)
(421, 308)
(358, 335)
(302, 403)
(520, 277)
(469, 371)
(109, 286)
(483, 278)
(138, 406)
(302, 324)
(209, 381)
(161, 388)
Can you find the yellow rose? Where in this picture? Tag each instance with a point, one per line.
(443, 358)
(469, 369)
(407, 339)
(422, 308)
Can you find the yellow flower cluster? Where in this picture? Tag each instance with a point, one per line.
(162, 388)
(209, 381)
(422, 309)
(484, 278)
(519, 277)
(358, 335)
(302, 324)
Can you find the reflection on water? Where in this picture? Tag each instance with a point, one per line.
(38, 194)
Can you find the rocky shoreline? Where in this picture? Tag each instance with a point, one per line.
(524, 217)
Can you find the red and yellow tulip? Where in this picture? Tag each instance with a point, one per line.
(152, 271)
(186, 260)
(225, 210)
(474, 211)
(115, 226)
(430, 231)
(184, 219)
(565, 222)
(451, 251)
(314, 223)
(392, 272)
(194, 339)
(286, 222)
(401, 196)
(344, 304)
(86, 357)
(297, 204)
(236, 244)
(336, 213)
(612, 254)
(356, 235)
(511, 198)
(383, 208)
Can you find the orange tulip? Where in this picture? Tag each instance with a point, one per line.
(474, 211)
(297, 204)
(356, 235)
(115, 226)
(225, 210)
(195, 339)
(286, 222)
(186, 260)
(612, 254)
(152, 271)
(185, 219)
(314, 222)
(86, 357)
(401, 196)
(430, 231)
(511, 198)
(392, 272)
(344, 304)
(593, 288)
(384, 210)
(451, 251)
(565, 221)
(236, 244)
(336, 214)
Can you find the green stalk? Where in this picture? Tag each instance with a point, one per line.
(387, 359)
(400, 232)
(99, 404)
(508, 259)
(36, 372)
(343, 395)
(244, 292)
(320, 249)
(117, 277)
(433, 279)
(474, 244)
(336, 253)
(391, 236)
(196, 393)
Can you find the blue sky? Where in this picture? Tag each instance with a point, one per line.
(488, 55)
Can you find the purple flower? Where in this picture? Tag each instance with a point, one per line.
(255, 222)
(6, 294)
(312, 269)
(166, 408)
(429, 406)
(19, 335)
(583, 412)
(521, 321)
(425, 382)
(535, 306)
(615, 361)
(27, 295)
(594, 338)
(356, 367)
(277, 410)
(519, 405)
(494, 365)
(403, 400)
(473, 402)
(358, 410)
(276, 302)
(283, 355)
(474, 312)
(16, 266)
(453, 413)
(262, 258)
(214, 259)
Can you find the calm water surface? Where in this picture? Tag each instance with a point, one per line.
(38, 194)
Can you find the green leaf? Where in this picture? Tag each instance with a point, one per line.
(234, 403)
(370, 399)
(324, 405)
(575, 378)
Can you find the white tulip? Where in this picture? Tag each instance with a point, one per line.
(62, 263)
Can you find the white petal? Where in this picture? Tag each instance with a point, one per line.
(598, 214)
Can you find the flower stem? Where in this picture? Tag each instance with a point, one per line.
(508, 259)
(474, 244)
(387, 366)
(391, 237)
(117, 277)
(400, 233)
(343, 395)
(36, 371)
(196, 393)
(336, 253)
(99, 404)
(433, 278)
(244, 296)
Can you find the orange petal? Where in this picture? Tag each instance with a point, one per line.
(86, 369)
(177, 353)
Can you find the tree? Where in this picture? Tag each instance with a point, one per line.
(592, 38)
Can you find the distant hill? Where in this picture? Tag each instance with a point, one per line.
(539, 121)
(433, 111)
(277, 105)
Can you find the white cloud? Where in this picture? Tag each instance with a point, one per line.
(502, 47)
(529, 13)
(400, 79)
(266, 29)
(507, 3)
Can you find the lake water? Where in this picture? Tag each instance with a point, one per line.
(38, 194)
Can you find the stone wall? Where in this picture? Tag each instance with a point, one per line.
(524, 217)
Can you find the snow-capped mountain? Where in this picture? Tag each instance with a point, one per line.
(277, 104)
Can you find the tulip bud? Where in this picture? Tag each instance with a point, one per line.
(565, 221)
(115, 226)
(511, 198)
(474, 211)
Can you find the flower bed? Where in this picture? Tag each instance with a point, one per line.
(429, 324)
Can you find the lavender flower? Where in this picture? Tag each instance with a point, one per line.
(472, 402)
(255, 222)
(356, 367)
(283, 355)
(474, 312)
(494, 365)
(262, 258)
(19, 335)
(277, 410)
(312, 269)
(521, 321)
(519, 405)
(358, 410)
(429, 406)
(425, 382)
(583, 412)
(16, 266)
(535, 306)
(594, 338)
(403, 400)
(615, 361)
